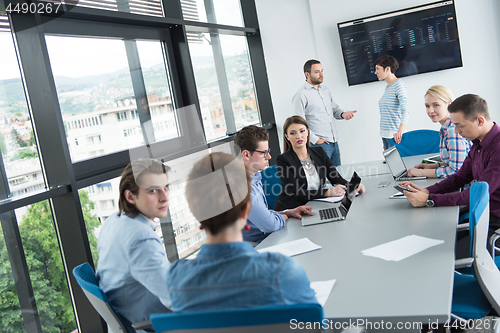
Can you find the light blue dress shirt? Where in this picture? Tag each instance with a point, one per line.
(262, 220)
(317, 107)
(132, 267)
(235, 276)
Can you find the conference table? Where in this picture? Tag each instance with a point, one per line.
(417, 289)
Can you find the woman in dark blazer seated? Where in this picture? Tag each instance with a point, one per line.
(303, 170)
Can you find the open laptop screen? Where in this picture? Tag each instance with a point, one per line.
(352, 190)
(394, 161)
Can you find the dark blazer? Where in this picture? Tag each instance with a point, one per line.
(294, 182)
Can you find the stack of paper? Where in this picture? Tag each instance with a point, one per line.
(401, 248)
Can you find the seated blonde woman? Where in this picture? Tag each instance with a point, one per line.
(453, 148)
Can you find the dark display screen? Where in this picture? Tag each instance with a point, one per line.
(423, 39)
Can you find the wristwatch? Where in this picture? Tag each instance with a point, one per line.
(429, 203)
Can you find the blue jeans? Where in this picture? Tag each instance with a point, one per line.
(387, 143)
(332, 151)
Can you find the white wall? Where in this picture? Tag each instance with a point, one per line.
(288, 38)
(293, 33)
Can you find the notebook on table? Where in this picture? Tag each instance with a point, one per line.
(337, 211)
(396, 164)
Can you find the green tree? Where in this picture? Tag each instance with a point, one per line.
(10, 311)
(3, 146)
(32, 141)
(19, 140)
(27, 153)
(46, 269)
(91, 222)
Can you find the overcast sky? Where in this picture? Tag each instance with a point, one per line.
(76, 57)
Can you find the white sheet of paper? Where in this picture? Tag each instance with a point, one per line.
(330, 199)
(322, 290)
(398, 195)
(333, 199)
(292, 248)
(401, 248)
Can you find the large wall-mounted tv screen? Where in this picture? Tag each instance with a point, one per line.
(423, 39)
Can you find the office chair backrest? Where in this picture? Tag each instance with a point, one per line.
(271, 185)
(85, 276)
(272, 319)
(486, 271)
(418, 142)
(479, 198)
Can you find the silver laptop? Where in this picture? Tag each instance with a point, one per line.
(337, 211)
(396, 164)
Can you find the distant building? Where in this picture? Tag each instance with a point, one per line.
(24, 176)
(117, 128)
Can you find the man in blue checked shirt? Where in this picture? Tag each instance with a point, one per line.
(314, 103)
(253, 142)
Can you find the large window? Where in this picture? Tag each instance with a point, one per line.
(225, 84)
(46, 272)
(83, 94)
(225, 12)
(240, 80)
(17, 140)
(97, 98)
(144, 7)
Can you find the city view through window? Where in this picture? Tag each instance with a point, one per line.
(79, 98)
(100, 114)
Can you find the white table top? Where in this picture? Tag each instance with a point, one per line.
(418, 288)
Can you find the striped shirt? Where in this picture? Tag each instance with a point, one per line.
(453, 149)
(394, 109)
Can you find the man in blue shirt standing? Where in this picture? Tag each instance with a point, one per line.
(253, 142)
(314, 103)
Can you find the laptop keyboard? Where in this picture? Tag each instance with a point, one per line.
(328, 214)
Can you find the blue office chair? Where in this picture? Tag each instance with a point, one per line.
(85, 276)
(272, 319)
(478, 200)
(271, 184)
(475, 296)
(418, 142)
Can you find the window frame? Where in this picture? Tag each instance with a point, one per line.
(63, 177)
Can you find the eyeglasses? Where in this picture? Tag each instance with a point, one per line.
(265, 152)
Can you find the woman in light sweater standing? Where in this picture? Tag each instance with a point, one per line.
(394, 111)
